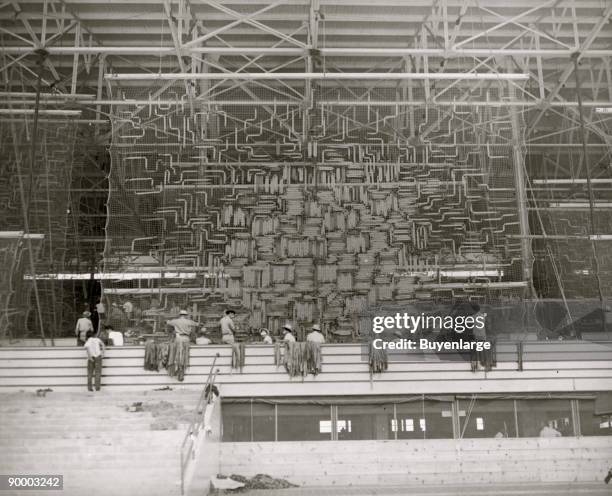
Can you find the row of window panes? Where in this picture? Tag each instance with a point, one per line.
(480, 418)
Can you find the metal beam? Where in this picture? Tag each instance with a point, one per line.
(295, 51)
(475, 76)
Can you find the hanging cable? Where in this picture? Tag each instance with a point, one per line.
(589, 188)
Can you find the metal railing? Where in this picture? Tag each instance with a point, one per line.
(188, 446)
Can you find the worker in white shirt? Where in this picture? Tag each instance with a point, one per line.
(95, 351)
(115, 337)
(227, 327)
(288, 336)
(315, 335)
(128, 308)
(548, 431)
(202, 338)
(265, 337)
(183, 326)
(83, 326)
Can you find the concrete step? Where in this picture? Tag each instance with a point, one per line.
(90, 438)
(114, 453)
(66, 445)
(109, 462)
(10, 438)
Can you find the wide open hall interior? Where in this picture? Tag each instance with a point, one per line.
(302, 160)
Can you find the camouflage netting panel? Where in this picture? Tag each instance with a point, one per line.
(43, 187)
(310, 216)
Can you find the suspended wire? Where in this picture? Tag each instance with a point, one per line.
(589, 187)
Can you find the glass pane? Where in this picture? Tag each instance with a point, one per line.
(304, 422)
(544, 418)
(236, 422)
(591, 425)
(424, 420)
(365, 422)
(487, 418)
(263, 422)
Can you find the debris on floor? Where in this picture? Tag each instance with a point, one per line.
(225, 483)
(135, 407)
(43, 392)
(260, 481)
(167, 415)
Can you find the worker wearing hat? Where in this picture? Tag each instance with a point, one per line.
(83, 326)
(265, 337)
(315, 335)
(183, 326)
(202, 338)
(288, 336)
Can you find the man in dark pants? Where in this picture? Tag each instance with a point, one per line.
(95, 351)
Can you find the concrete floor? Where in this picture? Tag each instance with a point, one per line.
(543, 489)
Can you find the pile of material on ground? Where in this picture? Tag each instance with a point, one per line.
(168, 416)
(260, 481)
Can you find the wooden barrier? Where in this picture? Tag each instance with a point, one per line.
(548, 367)
(436, 461)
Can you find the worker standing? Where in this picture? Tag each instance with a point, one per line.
(288, 336)
(265, 337)
(101, 310)
(178, 356)
(83, 326)
(315, 335)
(228, 327)
(128, 308)
(95, 351)
(183, 326)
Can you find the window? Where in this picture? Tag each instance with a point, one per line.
(424, 420)
(591, 424)
(420, 419)
(263, 422)
(486, 418)
(325, 426)
(304, 422)
(248, 422)
(236, 422)
(544, 418)
(365, 422)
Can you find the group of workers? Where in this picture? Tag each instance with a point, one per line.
(95, 340)
(185, 327)
(107, 333)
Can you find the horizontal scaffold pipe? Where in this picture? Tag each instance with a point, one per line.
(18, 111)
(297, 51)
(249, 76)
(328, 103)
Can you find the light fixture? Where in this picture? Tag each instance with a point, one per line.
(479, 76)
(122, 276)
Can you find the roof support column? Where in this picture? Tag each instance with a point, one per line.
(518, 162)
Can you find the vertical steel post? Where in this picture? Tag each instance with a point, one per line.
(518, 161)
